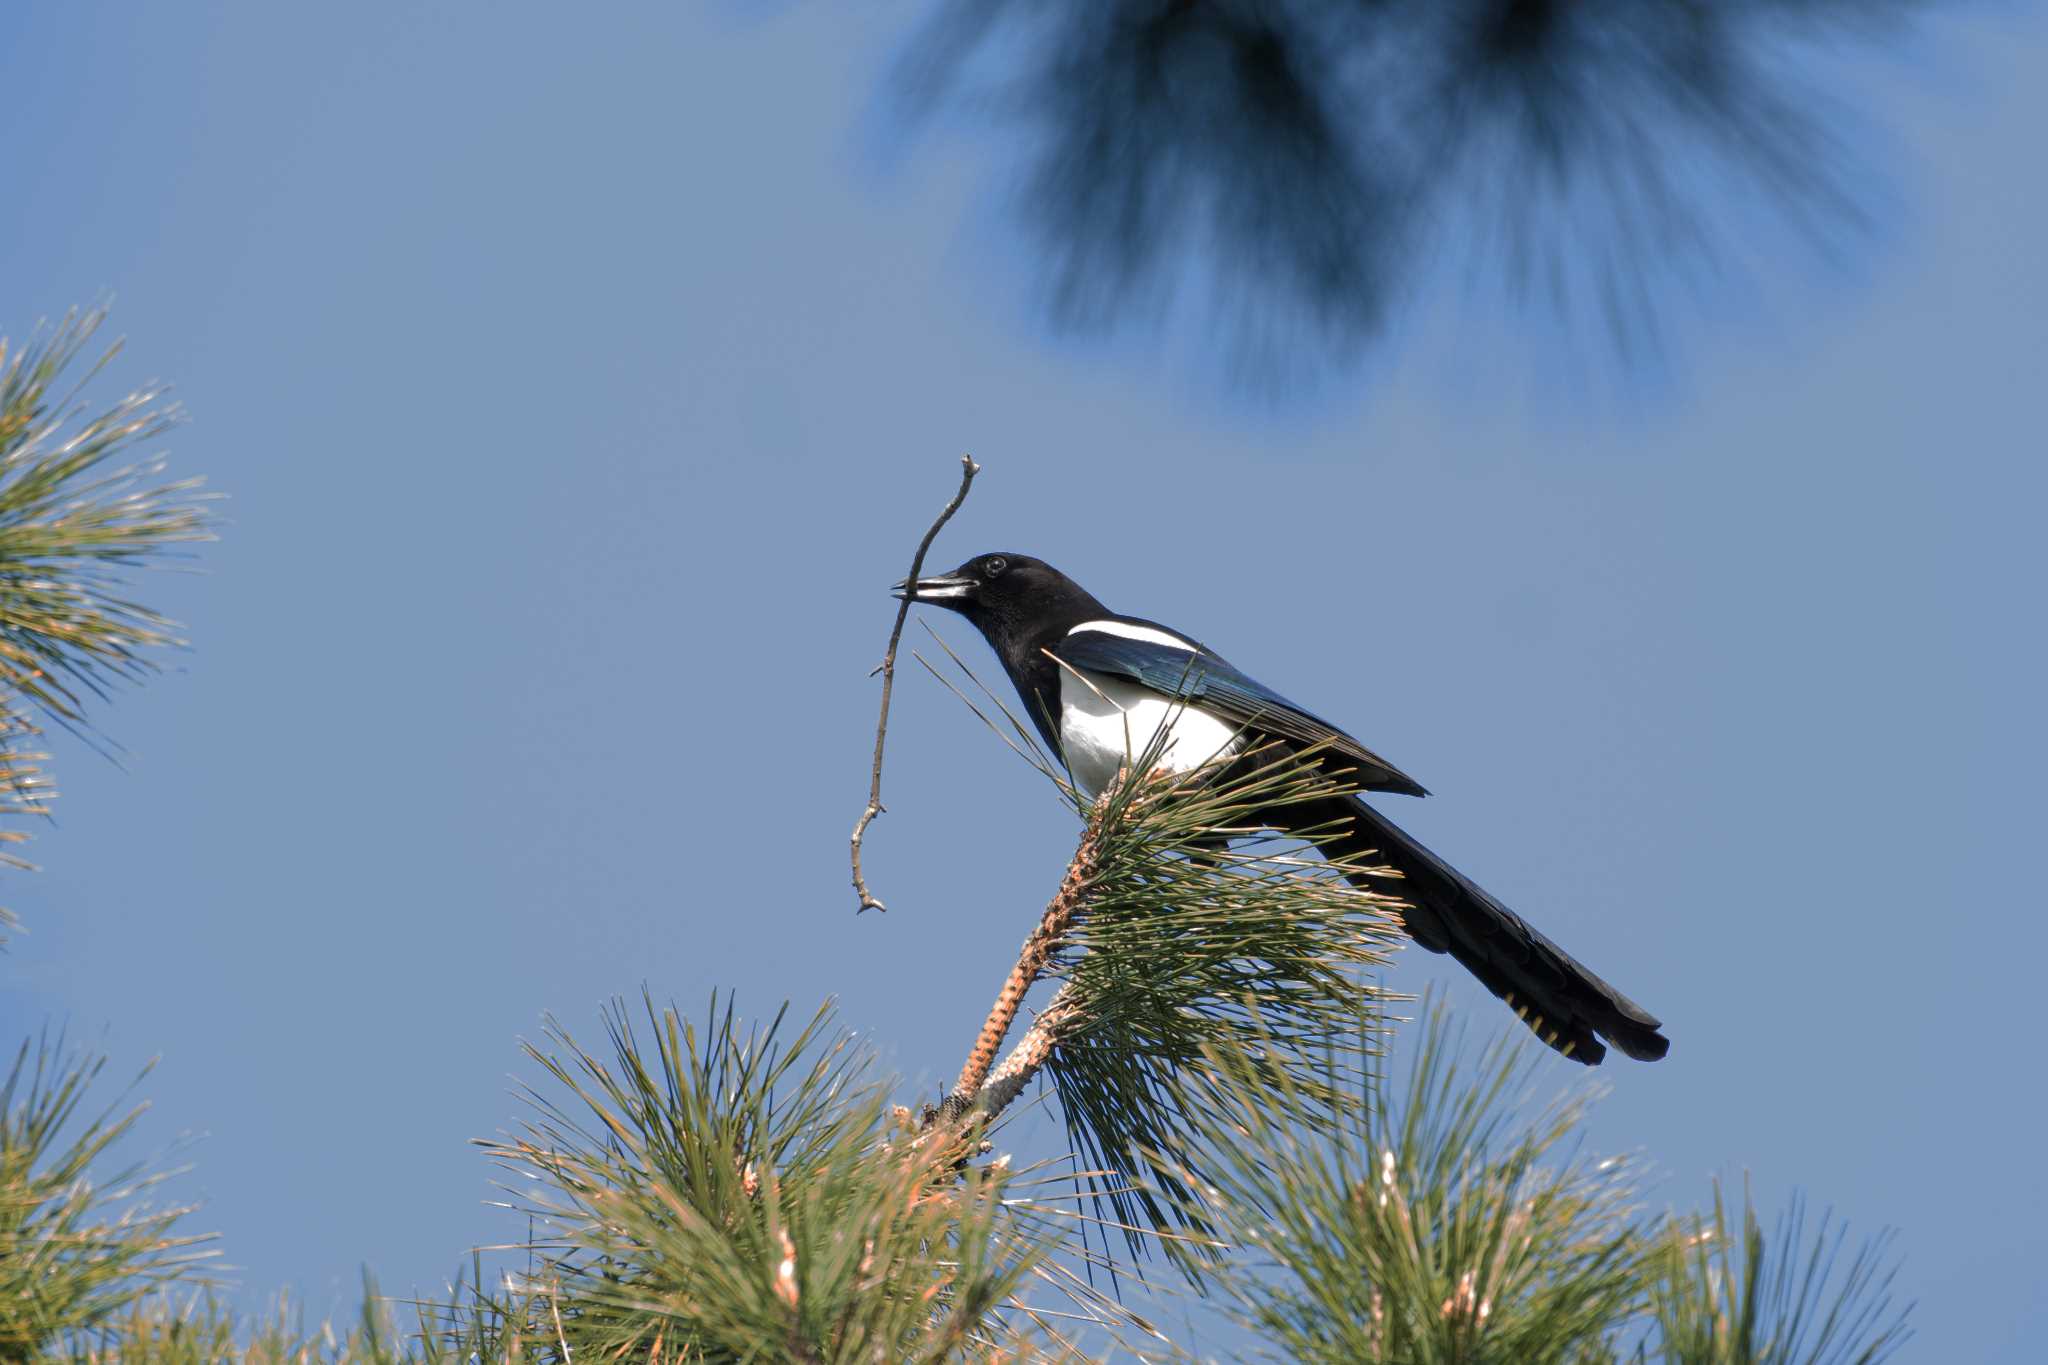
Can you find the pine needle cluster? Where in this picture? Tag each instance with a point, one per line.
(1202, 932)
(729, 1193)
(1457, 1220)
(1723, 1293)
(78, 1241)
(80, 509)
(469, 1327)
(1189, 926)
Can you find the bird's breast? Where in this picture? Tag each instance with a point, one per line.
(1107, 724)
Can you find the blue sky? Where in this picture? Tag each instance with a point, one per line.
(579, 384)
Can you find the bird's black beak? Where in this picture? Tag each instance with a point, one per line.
(945, 588)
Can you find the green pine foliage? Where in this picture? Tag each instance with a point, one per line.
(728, 1193)
(81, 507)
(1790, 1298)
(723, 1193)
(1187, 945)
(468, 1328)
(80, 1238)
(714, 1189)
(1459, 1220)
(1196, 930)
(1447, 1220)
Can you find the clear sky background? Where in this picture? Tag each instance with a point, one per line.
(580, 383)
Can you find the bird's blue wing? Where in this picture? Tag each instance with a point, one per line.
(1200, 675)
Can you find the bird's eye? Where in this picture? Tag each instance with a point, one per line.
(993, 566)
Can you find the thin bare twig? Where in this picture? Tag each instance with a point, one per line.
(868, 899)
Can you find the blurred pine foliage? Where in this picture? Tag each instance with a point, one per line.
(1301, 174)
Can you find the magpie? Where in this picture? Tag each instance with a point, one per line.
(1100, 685)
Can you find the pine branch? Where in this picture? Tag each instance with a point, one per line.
(1179, 922)
(969, 1091)
(1061, 1019)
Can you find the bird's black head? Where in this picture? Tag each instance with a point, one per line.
(1009, 597)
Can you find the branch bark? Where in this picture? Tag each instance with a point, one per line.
(984, 1087)
(1001, 1087)
(887, 668)
(1032, 960)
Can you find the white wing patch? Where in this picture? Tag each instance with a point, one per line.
(1107, 723)
(1149, 634)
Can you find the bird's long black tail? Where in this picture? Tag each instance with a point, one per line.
(1564, 1003)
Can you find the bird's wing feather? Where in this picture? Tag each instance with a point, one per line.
(1199, 675)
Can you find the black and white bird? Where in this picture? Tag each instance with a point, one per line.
(1101, 685)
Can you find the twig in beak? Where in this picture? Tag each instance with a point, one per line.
(868, 899)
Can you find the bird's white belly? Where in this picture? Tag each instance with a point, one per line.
(1107, 724)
